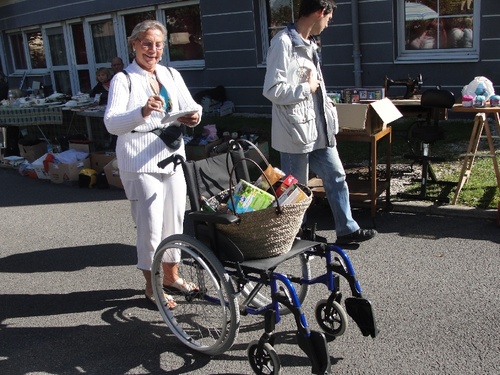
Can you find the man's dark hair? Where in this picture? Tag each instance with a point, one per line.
(308, 7)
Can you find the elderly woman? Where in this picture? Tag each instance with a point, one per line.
(138, 100)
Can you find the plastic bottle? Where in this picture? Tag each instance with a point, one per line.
(11, 97)
(56, 146)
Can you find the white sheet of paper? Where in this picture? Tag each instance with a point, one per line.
(172, 116)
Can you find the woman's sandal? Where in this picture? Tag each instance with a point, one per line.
(171, 304)
(180, 286)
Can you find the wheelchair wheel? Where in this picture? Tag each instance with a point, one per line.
(290, 267)
(206, 320)
(332, 319)
(263, 359)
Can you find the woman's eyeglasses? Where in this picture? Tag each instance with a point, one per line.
(148, 44)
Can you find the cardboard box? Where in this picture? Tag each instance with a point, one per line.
(196, 152)
(32, 149)
(367, 118)
(39, 168)
(68, 172)
(59, 172)
(85, 146)
(40, 171)
(98, 160)
(248, 198)
(226, 108)
(113, 174)
(357, 95)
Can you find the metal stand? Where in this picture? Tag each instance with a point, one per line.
(480, 125)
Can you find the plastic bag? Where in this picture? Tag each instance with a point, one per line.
(209, 134)
(479, 86)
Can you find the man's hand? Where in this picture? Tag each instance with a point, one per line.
(313, 81)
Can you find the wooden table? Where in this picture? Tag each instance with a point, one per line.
(409, 106)
(480, 125)
(359, 191)
(412, 107)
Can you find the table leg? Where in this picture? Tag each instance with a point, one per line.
(88, 123)
(373, 195)
(470, 155)
(388, 173)
(492, 148)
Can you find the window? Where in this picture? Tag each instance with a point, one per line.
(437, 30)
(79, 43)
(59, 59)
(274, 16)
(17, 48)
(57, 48)
(103, 38)
(280, 14)
(36, 50)
(185, 39)
(28, 51)
(94, 46)
(131, 20)
(70, 51)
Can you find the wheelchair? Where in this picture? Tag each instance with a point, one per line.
(207, 320)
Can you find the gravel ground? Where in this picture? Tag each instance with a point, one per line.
(402, 175)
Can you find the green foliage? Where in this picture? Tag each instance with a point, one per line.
(480, 191)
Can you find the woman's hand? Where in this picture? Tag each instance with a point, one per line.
(189, 120)
(154, 103)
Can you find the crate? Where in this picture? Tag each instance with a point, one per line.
(367, 118)
(113, 174)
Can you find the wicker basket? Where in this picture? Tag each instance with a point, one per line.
(269, 232)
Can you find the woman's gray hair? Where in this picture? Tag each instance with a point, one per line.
(144, 26)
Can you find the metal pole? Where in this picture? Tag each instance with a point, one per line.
(356, 51)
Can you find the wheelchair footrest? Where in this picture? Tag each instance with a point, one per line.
(316, 348)
(361, 311)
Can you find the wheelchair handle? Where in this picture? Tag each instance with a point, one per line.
(251, 144)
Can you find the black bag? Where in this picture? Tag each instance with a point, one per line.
(171, 136)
